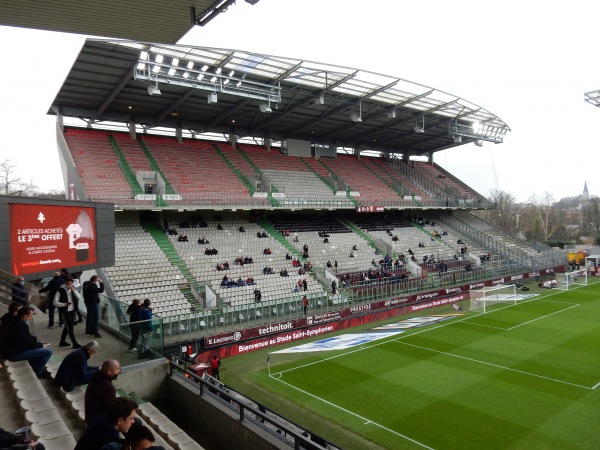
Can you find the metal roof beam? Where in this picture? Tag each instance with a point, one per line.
(339, 82)
(322, 117)
(226, 113)
(381, 89)
(287, 73)
(115, 92)
(169, 109)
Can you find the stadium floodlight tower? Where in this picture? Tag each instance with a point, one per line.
(482, 299)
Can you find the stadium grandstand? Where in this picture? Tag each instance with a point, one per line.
(241, 183)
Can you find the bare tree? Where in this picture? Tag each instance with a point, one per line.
(506, 212)
(11, 183)
(544, 218)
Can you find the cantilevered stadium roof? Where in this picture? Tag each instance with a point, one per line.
(204, 89)
(152, 20)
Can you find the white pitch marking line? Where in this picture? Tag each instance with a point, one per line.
(595, 386)
(357, 415)
(497, 365)
(542, 317)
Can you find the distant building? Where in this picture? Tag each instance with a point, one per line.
(586, 194)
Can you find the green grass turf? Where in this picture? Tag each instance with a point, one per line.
(518, 377)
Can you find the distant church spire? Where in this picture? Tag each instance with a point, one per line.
(586, 194)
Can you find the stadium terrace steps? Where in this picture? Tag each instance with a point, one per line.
(373, 191)
(129, 175)
(198, 173)
(395, 176)
(97, 164)
(159, 235)
(444, 180)
(155, 167)
(237, 172)
(41, 408)
(323, 179)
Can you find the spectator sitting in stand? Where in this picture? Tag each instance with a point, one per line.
(288, 256)
(19, 345)
(267, 251)
(219, 227)
(74, 370)
(104, 430)
(283, 273)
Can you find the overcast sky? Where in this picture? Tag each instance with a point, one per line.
(528, 62)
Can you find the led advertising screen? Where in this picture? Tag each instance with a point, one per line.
(49, 237)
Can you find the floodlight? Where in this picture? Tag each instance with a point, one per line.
(355, 118)
(190, 65)
(478, 143)
(159, 58)
(200, 76)
(172, 71)
(154, 90)
(320, 100)
(212, 97)
(144, 55)
(457, 139)
(264, 108)
(231, 73)
(213, 79)
(239, 83)
(226, 81)
(175, 62)
(156, 68)
(204, 68)
(218, 71)
(420, 128)
(391, 114)
(186, 74)
(141, 66)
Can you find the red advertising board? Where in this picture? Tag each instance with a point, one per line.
(49, 237)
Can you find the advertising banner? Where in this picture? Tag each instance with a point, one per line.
(49, 237)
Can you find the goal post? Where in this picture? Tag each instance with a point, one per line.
(570, 280)
(484, 298)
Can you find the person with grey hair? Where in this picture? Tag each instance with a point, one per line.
(74, 369)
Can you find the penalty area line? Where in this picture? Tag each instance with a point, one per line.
(367, 421)
(466, 358)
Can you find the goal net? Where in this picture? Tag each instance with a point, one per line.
(570, 280)
(485, 298)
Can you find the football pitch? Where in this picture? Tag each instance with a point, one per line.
(524, 376)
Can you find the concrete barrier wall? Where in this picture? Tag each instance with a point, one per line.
(217, 423)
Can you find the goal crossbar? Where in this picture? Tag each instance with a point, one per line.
(482, 299)
(570, 280)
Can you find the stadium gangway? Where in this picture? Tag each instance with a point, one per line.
(247, 409)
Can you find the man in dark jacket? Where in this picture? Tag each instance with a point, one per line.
(104, 429)
(74, 370)
(7, 318)
(52, 288)
(19, 293)
(100, 390)
(91, 297)
(145, 315)
(19, 345)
